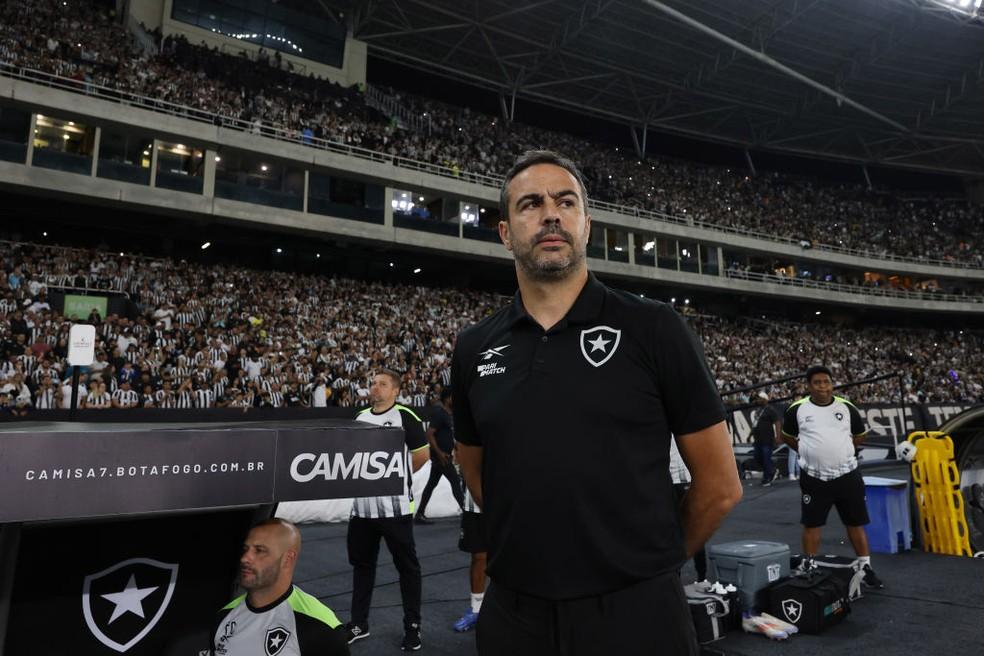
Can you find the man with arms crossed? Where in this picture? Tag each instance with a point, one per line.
(565, 403)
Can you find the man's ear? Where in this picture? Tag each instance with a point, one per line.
(504, 234)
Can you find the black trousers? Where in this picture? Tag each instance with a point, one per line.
(650, 618)
(363, 552)
(447, 471)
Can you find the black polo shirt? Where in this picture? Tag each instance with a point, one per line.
(440, 421)
(575, 425)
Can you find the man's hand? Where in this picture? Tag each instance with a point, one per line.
(715, 488)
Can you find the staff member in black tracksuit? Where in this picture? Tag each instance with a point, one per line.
(564, 406)
(440, 435)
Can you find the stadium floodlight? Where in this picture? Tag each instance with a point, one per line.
(263, 167)
(417, 270)
(817, 313)
(206, 245)
(218, 159)
(649, 245)
(45, 234)
(280, 250)
(971, 8)
(673, 300)
(686, 301)
(392, 265)
(318, 255)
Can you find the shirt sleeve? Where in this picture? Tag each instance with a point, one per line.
(317, 638)
(790, 424)
(690, 397)
(465, 430)
(858, 427)
(413, 432)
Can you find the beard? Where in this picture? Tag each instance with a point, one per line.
(543, 269)
(255, 579)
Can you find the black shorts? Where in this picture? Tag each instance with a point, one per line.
(472, 538)
(845, 492)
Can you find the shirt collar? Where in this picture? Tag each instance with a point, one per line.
(587, 306)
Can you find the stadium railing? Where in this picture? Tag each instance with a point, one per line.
(808, 283)
(8, 69)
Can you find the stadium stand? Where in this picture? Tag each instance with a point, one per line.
(85, 43)
(218, 336)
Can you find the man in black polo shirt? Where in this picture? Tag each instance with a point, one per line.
(440, 435)
(565, 403)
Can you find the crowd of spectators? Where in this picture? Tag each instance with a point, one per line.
(937, 366)
(87, 42)
(204, 336)
(217, 336)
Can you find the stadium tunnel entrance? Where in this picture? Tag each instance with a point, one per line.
(967, 432)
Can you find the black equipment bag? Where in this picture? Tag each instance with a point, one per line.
(813, 601)
(713, 614)
(846, 569)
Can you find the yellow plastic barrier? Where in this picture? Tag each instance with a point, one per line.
(937, 491)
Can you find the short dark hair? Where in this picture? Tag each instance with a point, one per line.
(394, 376)
(532, 158)
(817, 369)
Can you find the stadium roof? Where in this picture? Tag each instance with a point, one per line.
(891, 82)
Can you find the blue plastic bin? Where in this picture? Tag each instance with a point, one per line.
(890, 530)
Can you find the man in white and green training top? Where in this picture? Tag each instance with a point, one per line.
(274, 617)
(826, 430)
(388, 518)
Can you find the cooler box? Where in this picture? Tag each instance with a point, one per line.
(890, 530)
(752, 565)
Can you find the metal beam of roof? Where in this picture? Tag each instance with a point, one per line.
(633, 64)
(769, 61)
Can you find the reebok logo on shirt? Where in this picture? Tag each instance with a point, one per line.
(492, 352)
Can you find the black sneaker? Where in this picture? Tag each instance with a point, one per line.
(870, 579)
(411, 638)
(355, 632)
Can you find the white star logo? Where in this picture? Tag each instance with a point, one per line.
(275, 641)
(606, 340)
(129, 600)
(792, 609)
(598, 344)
